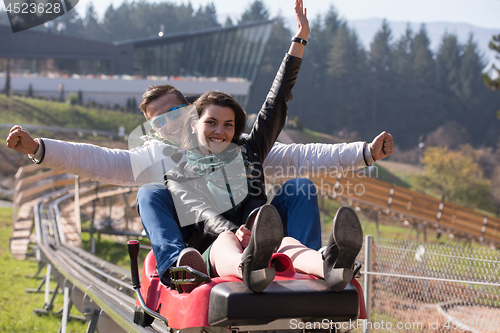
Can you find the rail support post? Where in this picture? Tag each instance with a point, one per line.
(37, 289)
(47, 283)
(66, 307)
(50, 306)
(366, 287)
(93, 321)
(41, 265)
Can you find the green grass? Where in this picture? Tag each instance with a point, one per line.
(312, 135)
(16, 306)
(388, 228)
(19, 110)
(114, 251)
(385, 175)
(5, 219)
(32, 111)
(307, 135)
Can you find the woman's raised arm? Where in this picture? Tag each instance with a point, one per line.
(297, 47)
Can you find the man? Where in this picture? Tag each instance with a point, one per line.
(116, 166)
(164, 107)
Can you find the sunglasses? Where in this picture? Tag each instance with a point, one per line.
(161, 120)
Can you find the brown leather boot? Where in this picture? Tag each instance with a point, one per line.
(267, 233)
(344, 243)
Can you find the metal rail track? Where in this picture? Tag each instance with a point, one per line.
(106, 291)
(99, 289)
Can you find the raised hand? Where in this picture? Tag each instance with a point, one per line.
(20, 139)
(382, 146)
(303, 29)
(297, 49)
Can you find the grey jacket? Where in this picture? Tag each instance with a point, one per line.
(192, 199)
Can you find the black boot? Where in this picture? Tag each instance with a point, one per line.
(267, 233)
(344, 243)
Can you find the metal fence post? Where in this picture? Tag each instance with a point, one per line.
(92, 221)
(366, 287)
(77, 206)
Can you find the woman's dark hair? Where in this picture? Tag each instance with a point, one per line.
(213, 98)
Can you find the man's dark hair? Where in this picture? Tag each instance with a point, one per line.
(156, 91)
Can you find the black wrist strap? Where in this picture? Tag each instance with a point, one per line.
(299, 40)
(364, 157)
(42, 150)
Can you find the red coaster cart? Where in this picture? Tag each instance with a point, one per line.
(224, 304)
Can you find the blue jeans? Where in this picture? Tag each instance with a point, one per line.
(296, 202)
(159, 218)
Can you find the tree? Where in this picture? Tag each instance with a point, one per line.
(345, 83)
(451, 134)
(489, 80)
(403, 91)
(322, 36)
(332, 77)
(339, 68)
(449, 105)
(277, 45)
(256, 12)
(206, 17)
(128, 21)
(73, 23)
(7, 78)
(381, 73)
(229, 22)
(311, 76)
(403, 55)
(478, 102)
(423, 63)
(421, 103)
(448, 64)
(92, 28)
(455, 176)
(471, 66)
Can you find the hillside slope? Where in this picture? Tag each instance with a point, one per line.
(30, 111)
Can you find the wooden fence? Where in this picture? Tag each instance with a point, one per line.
(358, 189)
(351, 187)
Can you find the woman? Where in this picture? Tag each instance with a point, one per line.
(214, 147)
(221, 187)
(213, 131)
(222, 182)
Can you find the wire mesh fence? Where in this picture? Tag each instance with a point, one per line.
(421, 287)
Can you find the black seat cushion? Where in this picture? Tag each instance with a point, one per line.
(232, 304)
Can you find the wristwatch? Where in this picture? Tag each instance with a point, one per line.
(39, 155)
(299, 40)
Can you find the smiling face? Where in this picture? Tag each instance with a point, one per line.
(215, 129)
(172, 128)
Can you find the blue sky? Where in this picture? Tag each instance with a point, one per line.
(482, 13)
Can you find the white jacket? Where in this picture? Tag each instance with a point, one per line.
(146, 164)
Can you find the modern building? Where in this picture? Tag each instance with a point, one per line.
(225, 58)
